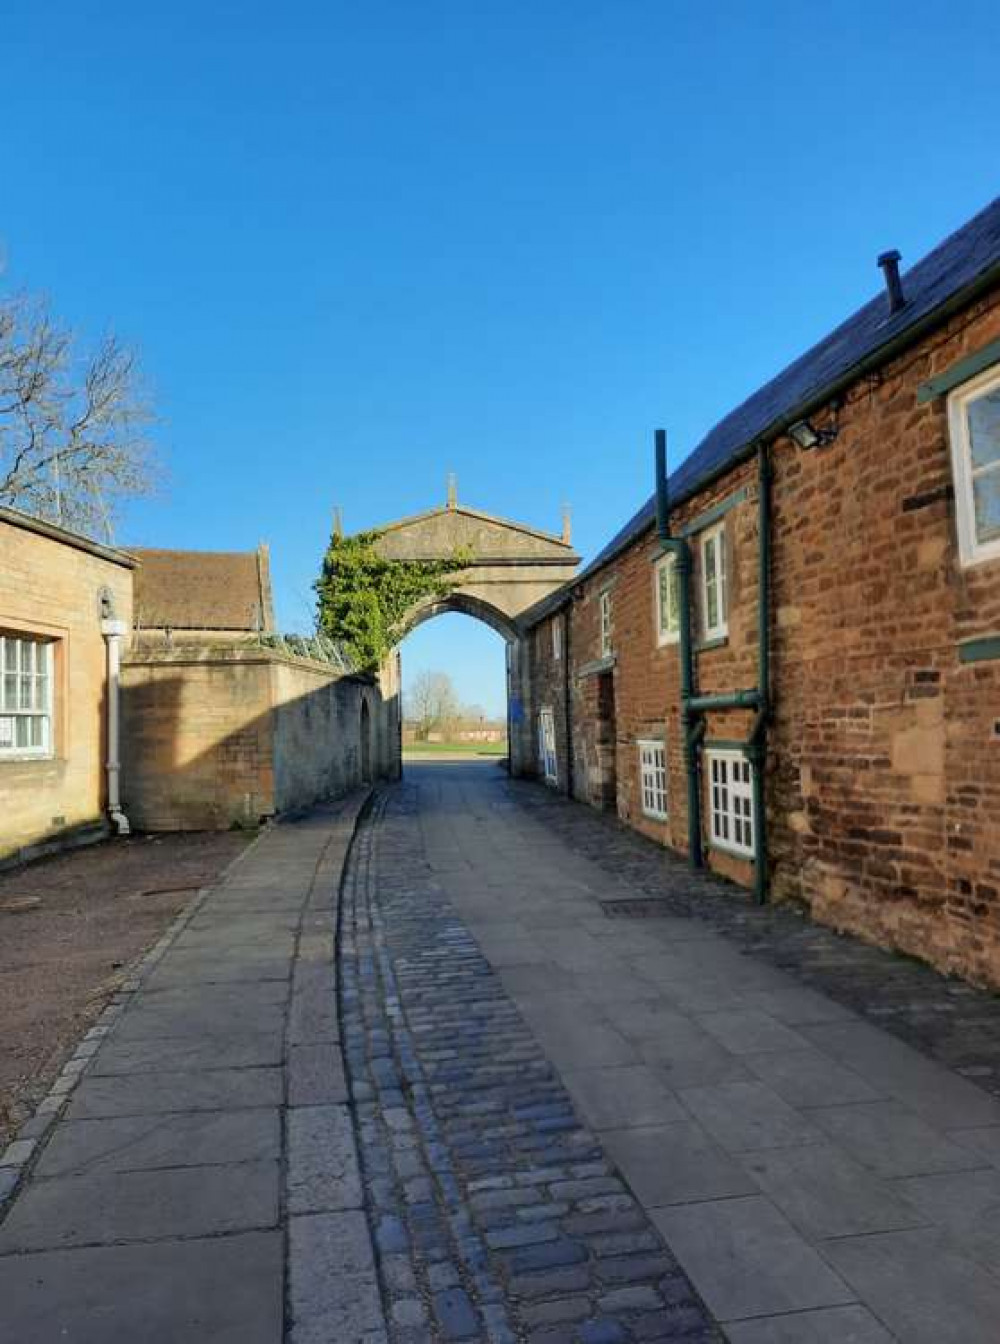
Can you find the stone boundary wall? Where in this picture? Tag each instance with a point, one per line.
(221, 736)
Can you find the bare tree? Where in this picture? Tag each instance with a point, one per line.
(73, 438)
(431, 702)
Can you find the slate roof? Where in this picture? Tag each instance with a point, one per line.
(203, 590)
(944, 274)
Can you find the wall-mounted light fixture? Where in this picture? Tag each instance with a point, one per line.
(805, 434)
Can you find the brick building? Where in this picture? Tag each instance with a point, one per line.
(61, 597)
(828, 727)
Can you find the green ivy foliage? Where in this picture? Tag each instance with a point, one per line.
(364, 599)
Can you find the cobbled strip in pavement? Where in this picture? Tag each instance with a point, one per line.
(496, 1215)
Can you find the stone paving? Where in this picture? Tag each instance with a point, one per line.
(942, 1017)
(527, 1116)
(496, 1214)
(199, 1143)
(815, 1177)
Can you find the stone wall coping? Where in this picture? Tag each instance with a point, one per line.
(192, 655)
(27, 523)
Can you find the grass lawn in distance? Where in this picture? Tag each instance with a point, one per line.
(416, 749)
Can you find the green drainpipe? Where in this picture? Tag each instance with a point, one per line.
(681, 551)
(758, 737)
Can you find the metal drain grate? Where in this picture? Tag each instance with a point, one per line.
(643, 909)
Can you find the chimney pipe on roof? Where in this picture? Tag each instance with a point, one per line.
(889, 262)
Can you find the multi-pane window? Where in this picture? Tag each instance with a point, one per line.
(974, 420)
(25, 697)
(556, 639)
(667, 600)
(714, 600)
(605, 623)
(547, 745)
(731, 811)
(653, 779)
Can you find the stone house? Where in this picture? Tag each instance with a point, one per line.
(186, 721)
(787, 664)
(64, 601)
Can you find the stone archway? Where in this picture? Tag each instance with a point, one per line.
(513, 567)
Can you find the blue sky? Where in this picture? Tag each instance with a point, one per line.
(360, 246)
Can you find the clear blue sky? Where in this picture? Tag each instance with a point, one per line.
(361, 245)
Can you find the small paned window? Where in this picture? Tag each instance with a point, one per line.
(653, 779)
(667, 600)
(714, 597)
(974, 424)
(731, 810)
(556, 640)
(606, 624)
(547, 746)
(25, 696)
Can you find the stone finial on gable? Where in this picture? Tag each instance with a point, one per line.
(567, 531)
(452, 490)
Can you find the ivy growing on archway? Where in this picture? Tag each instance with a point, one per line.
(364, 599)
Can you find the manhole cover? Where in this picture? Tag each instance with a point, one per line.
(648, 909)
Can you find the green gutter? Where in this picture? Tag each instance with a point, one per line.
(758, 738)
(681, 551)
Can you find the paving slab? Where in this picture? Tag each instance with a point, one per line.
(744, 1116)
(166, 1091)
(333, 1289)
(227, 1290)
(182, 1054)
(622, 1097)
(920, 1286)
(747, 1031)
(808, 1077)
(891, 1140)
(148, 1142)
(675, 1164)
(966, 1204)
(112, 1206)
(932, 1091)
(746, 1259)
(323, 1172)
(825, 1193)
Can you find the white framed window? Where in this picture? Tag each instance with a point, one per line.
(714, 596)
(667, 596)
(606, 645)
(730, 778)
(653, 779)
(556, 640)
(25, 696)
(974, 428)
(547, 745)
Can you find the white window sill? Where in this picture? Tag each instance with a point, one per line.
(656, 816)
(21, 756)
(662, 641)
(734, 851)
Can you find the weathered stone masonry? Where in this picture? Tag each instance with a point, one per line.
(883, 765)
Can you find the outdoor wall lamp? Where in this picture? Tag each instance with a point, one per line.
(806, 435)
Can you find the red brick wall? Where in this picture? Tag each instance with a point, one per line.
(883, 775)
(885, 806)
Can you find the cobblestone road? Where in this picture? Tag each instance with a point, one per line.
(496, 1214)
